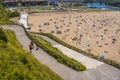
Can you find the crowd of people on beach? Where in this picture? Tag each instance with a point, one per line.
(94, 32)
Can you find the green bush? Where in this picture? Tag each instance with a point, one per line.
(77, 5)
(110, 62)
(4, 16)
(14, 14)
(58, 55)
(17, 64)
(3, 35)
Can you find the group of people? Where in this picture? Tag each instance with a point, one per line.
(95, 32)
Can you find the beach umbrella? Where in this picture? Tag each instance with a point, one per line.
(52, 31)
(46, 23)
(102, 57)
(59, 32)
(39, 26)
(86, 45)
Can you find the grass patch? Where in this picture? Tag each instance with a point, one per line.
(108, 61)
(17, 64)
(3, 35)
(57, 54)
(4, 16)
(14, 14)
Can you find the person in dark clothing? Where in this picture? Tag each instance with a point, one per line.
(32, 44)
(30, 47)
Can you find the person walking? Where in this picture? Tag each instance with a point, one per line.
(32, 44)
(30, 47)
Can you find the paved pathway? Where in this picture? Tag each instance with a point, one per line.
(88, 62)
(95, 70)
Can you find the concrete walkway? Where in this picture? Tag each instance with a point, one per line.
(95, 70)
(88, 62)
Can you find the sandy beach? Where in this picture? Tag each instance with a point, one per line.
(94, 32)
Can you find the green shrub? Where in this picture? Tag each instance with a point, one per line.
(77, 5)
(14, 14)
(3, 44)
(4, 16)
(58, 55)
(3, 35)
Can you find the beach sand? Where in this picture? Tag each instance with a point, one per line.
(94, 32)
